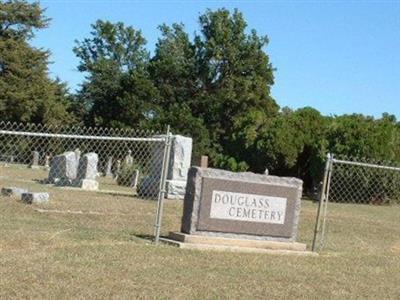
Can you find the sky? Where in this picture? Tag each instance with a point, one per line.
(340, 57)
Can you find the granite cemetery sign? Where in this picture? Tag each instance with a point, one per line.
(222, 207)
(228, 204)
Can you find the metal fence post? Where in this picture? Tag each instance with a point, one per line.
(321, 202)
(162, 190)
(326, 200)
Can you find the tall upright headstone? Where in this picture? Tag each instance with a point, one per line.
(47, 162)
(87, 172)
(35, 160)
(109, 167)
(135, 179)
(117, 169)
(128, 158)
(77, 154)
(180, 160)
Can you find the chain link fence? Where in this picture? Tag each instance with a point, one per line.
(363, 197)
(114, 160)
(77, 164)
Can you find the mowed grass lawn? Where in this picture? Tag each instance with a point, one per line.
(96, 245)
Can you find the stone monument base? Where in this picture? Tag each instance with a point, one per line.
(176, 189)
(201, 242)
(88, 184)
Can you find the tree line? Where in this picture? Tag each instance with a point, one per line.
(214, 87)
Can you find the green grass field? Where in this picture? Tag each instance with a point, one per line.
(97, 245)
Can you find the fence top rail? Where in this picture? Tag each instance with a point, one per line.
(86, 137)
(361, 164)
(77, 129)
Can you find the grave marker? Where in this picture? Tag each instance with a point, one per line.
(35, 160)
(109, 167)
(63, 169)
(87, 172)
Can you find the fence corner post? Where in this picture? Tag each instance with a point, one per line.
(321, 201)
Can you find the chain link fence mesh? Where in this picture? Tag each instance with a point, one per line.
(115, 160)
(359, 197)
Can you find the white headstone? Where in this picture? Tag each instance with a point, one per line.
(47, 162)
(135, 179)
(35, 198)
(128, 158)
(35, 160)
(87, 168)
(13, 191)
(180, 160)
(77, 154)
(117, 169)
(87, 171)
(109, 167)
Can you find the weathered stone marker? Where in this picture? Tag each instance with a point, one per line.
(135, 179)
(77, 154)
(35, 198)
(35, 160)
(117, 169)
(128, 158)
(87, 172)
(180, 159)
(63, 169)
(109, 167)
(13, 191)
(226, 209)
(204, 161)
(47, 162)
(235, 204)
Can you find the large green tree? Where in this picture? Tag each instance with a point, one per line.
(173, 70)
(27, 93)
(360, 136)
(213, 84)
(117, 91)
(235, 77)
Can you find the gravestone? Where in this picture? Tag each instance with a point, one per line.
(204, 161)
(35, 160)
(128, 158)
(180, 160)
(35, 198)
(135, 179)
(117, 169)
(109, 167)
(63, 169)
(13, 191)
(87, 172)
(47, 162)
(77, 154)
(225, 209)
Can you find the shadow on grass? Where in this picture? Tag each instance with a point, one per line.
(42, 181)
(142, 236)
(78, 189)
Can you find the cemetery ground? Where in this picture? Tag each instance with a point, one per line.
(98, 245)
